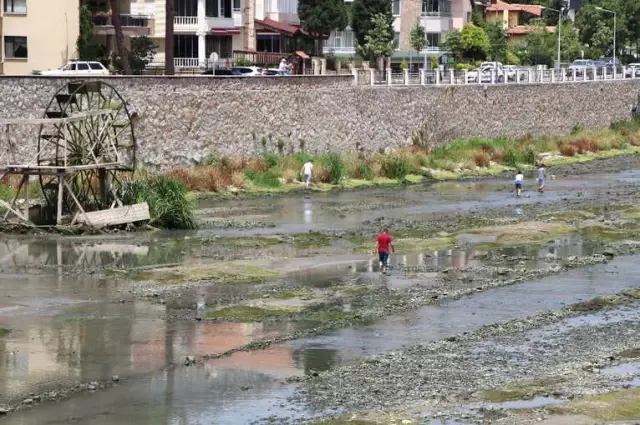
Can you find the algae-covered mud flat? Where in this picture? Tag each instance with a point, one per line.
(495, 310)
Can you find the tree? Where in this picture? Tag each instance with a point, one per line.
(474, 42)
(362, 19)
(87, 47)
(379, 43)
(142, 52)
(418, 37)
(453, 43)
(538, 47)
(117, 25)
(497, 41)
(320, 17)
(601, 40)
(570, 42)
(168, 38)
(589, 21)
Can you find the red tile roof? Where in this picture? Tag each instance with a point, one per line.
(526, 29)
(500, 6)
(279, 26)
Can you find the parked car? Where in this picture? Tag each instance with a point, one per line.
(221, 72)
(248, 71)
(487, 72)
(512, 73)
(271, 71)
(79, 68)
(633, 70)
(608, 63)
(581, 67)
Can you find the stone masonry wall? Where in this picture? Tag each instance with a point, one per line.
(182, 119)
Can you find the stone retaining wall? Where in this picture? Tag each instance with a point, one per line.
(182, 119)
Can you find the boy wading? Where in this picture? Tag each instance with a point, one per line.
(306, 172)
(384, 245)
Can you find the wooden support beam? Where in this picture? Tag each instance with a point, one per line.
(116, 216)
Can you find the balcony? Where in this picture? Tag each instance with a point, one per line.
(185, 23)
(224, 23)
(132, 25)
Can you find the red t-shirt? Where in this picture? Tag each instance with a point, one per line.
(384, 240)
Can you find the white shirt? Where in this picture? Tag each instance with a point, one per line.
(307, 167)
(519, 177)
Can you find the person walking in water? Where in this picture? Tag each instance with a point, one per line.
(519, 179)
(306, 172)
(384, 246)
(541, 172)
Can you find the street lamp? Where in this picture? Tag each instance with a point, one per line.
(614, 34)
(559, 30)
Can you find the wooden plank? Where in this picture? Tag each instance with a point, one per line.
(116, 216)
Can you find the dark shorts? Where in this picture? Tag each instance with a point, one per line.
(518, 185)
(540, 182)
(384, 257)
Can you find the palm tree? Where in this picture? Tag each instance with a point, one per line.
(168, 39)
(122, 50)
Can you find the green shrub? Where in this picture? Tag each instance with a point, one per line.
(363, 171)
(465, 67)
(263, 179)
(272, 160)
(397, 167)
(577, 128)
(6, 192)
(336, 168)
(301, 157)
(169, 203)
(529, 156)
(511, 159)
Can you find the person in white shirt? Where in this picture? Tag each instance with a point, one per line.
(519, 179)
(306, 172)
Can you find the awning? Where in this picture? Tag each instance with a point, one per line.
(225, 31)
(302, 54)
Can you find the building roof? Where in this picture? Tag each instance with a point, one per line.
(280, 26)
(500, 6)
(526, 29)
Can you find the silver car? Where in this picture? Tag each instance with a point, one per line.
(633, 70)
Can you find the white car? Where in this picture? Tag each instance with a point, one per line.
(633, 69)
(79, 68)
(248, 71)
(487, 73)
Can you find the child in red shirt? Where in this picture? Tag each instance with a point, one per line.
(384, 246)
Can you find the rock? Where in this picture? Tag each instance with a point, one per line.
(36, 398)
(608, 254)
(115, 378)
(4, 410)
(189, 360)
(91, 388)
(27, 401)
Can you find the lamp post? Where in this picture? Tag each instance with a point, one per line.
(614, 34)
(559, 30)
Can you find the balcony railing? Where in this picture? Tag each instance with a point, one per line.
(140, 21)
(185, 21)
(186, 62)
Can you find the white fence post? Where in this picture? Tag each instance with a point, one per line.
(373, 76)
(624, 72)
(405, 74)
(573, 71)
(614, 71)
(604, 73)
(437, 75)
(389, 76)
(553, 75)
(530, 75)
(584, 75)
(423, 78)
(452, 77)
(517, 76)
(493, 76)
(354, 72)
(466, 76)
(563, 73)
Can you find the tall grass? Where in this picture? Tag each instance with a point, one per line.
(169, 202)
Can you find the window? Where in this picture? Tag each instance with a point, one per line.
(15, 47)
(268, 42)
(188, 8)
(15, 6)
(219, 44)
(396, 40)
(436, 7)
(218, 8)
(185, 46)
(96, 66)
(83, 66)
(340, 41)
(433, 39)
(236, 5)
(396, 8)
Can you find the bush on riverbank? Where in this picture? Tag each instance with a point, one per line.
(474, 156)
(170, 205)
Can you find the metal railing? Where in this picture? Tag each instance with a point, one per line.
(185, 21)
(520, 76)
(186, 62)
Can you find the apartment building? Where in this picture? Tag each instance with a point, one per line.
(37, 34)
(436, 16)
